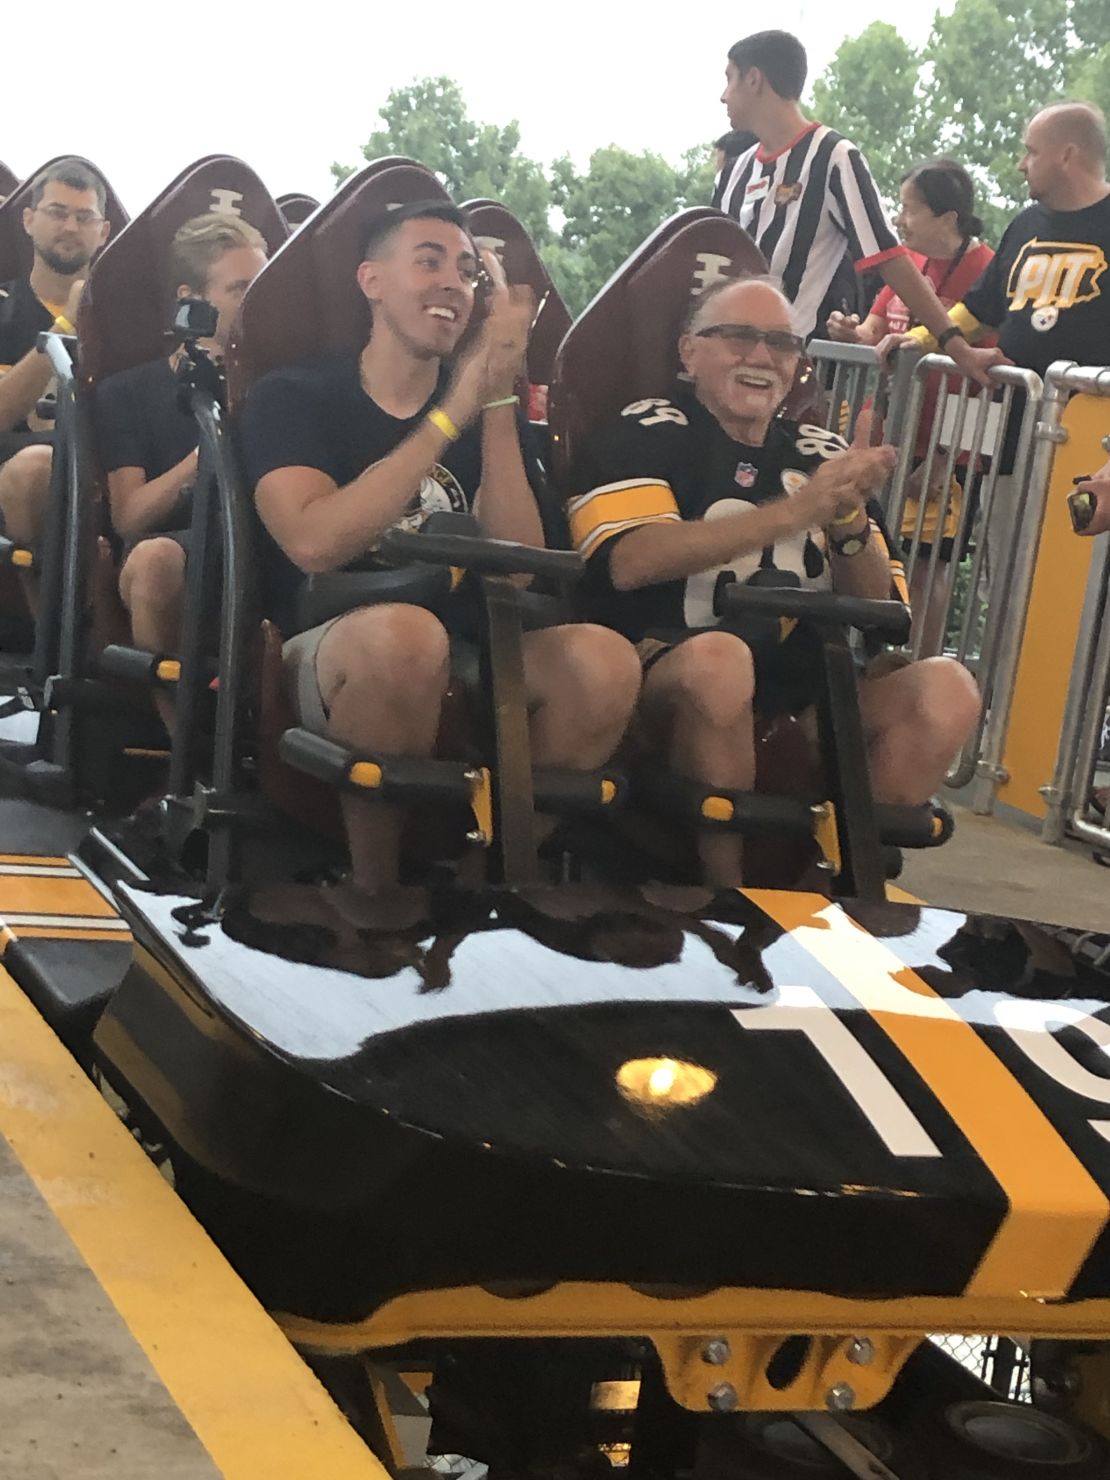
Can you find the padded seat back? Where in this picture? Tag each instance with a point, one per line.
(127, 307)
(495, 226)
(307, 302)
(625, 345)
(17, 256)
(8, 181)
(296, 208)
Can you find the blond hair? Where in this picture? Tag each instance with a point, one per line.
(200, 243)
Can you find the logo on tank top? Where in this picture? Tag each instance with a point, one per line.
(440, 492)
(1050, 277)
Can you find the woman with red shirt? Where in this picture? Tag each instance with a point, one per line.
(937, 221)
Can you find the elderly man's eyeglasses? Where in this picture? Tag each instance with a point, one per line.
(746, 336)
(61, 214)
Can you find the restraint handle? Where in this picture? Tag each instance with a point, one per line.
(890, 619)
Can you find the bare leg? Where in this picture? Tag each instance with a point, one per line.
(152, 587)
(383, 672)
(916, 721)
(698, 700)
(583, 683)
(24, 490)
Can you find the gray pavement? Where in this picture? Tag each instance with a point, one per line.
(77, 1395)
(997, 867)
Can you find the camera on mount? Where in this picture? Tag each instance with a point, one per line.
(194, 318)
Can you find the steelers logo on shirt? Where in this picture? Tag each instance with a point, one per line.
(1044, 319)
(440, 492)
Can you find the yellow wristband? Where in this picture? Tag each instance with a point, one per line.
(443, 423)
(62, 323)
(504, 401)
(845, 519)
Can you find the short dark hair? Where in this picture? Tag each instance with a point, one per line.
(73, 173)
(386, 223)
(779, 56)
(946, 186)
(736, 142)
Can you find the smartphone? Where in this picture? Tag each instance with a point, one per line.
(1081, 506)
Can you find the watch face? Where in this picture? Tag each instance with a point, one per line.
(850, 546)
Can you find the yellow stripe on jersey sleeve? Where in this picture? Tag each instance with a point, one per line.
(614, 507)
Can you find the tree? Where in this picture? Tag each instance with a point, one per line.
(869, 93)
(428, 121)
(614, 206)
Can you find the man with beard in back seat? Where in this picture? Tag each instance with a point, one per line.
(66, 223)
(147, 441)
(343, 449)
(676, 495)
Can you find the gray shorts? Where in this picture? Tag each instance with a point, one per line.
(302, 684)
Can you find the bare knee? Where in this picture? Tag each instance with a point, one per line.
(944, 699)
(393, 654)
(592, 671)
(153, 576)
(24, 488)
(713, 678)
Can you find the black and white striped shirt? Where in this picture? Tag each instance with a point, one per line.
(805, 207)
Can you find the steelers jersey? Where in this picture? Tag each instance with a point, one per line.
(1047, 290)
(662, 461)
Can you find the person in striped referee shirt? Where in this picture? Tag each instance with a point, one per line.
(805, 195)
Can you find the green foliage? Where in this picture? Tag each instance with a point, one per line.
(870, 94)
(605, 212)
(428, 121)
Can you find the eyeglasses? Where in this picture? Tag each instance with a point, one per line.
(61, 214)
(746, 336)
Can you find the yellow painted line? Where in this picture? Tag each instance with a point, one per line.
(901, 896)
(8, 934)
(1057, 1210)
(35, 858)
(43, 895)
(252, 1402)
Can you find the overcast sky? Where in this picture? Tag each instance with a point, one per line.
(143, 89)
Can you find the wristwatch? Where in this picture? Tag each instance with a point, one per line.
(952, 332)
(853, 544)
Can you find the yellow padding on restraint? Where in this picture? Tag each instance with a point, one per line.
(365, 773)
(168, 670)
(23, 558)
(608, 792)
(718, 809)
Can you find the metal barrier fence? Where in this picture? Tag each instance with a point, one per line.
(966, 526)
(1068, 795)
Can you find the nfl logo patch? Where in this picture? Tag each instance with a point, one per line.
(745, 475)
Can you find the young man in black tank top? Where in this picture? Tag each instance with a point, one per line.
(341, 450)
